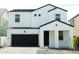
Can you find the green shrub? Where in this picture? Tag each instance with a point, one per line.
(75, 42)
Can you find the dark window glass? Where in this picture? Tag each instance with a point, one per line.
(35, 14)
(17, 18)
(60, 35)
(57, 16)
(39, 15)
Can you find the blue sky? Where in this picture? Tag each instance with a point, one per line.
(71, 5)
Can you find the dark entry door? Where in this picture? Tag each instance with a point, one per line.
(25, 40)
(46, 38)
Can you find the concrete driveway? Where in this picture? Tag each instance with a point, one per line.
(34, 50)
(18, 50)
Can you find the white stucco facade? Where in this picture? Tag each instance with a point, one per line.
(47, 16)
(53, 35)
(44, 18)
(30, 24)
(19, 31)
(25, 19)
(62, 13)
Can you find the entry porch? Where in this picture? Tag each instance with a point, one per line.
(56, 34)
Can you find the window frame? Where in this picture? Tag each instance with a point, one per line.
(57, 17)
(17, 18)
(61, 36)
(39, 15)
(35, 15)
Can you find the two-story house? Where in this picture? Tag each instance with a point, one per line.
(42, 27)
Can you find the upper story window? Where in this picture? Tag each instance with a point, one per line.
(35, 14)
(17, 18)
(39, 14)
(57, 16)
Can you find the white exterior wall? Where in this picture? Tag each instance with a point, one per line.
(61, 27)
(41, 40)
(62, 13)
(44, 18)
(51, 39)
(47, 16)
(65, 43)
(25, 19)
(19, 31)
(52, 26)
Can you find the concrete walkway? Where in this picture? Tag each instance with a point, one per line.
(56, 51)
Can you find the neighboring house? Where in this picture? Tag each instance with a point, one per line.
(3, 21)
(42, 27)
(75, 22)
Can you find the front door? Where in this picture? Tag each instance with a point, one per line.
(46, 38)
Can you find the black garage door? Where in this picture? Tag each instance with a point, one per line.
(25, 40)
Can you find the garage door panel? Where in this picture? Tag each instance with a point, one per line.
(25, 40)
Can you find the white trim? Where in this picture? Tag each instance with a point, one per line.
(41, 39)
(56, 39)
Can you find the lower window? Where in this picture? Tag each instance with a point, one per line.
(60, 35)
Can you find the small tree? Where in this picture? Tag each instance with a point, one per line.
(78, 41)
(3, 27)
(75, 42)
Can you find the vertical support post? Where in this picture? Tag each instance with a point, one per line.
(41, 39)
(56, 39)
(71, 37)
